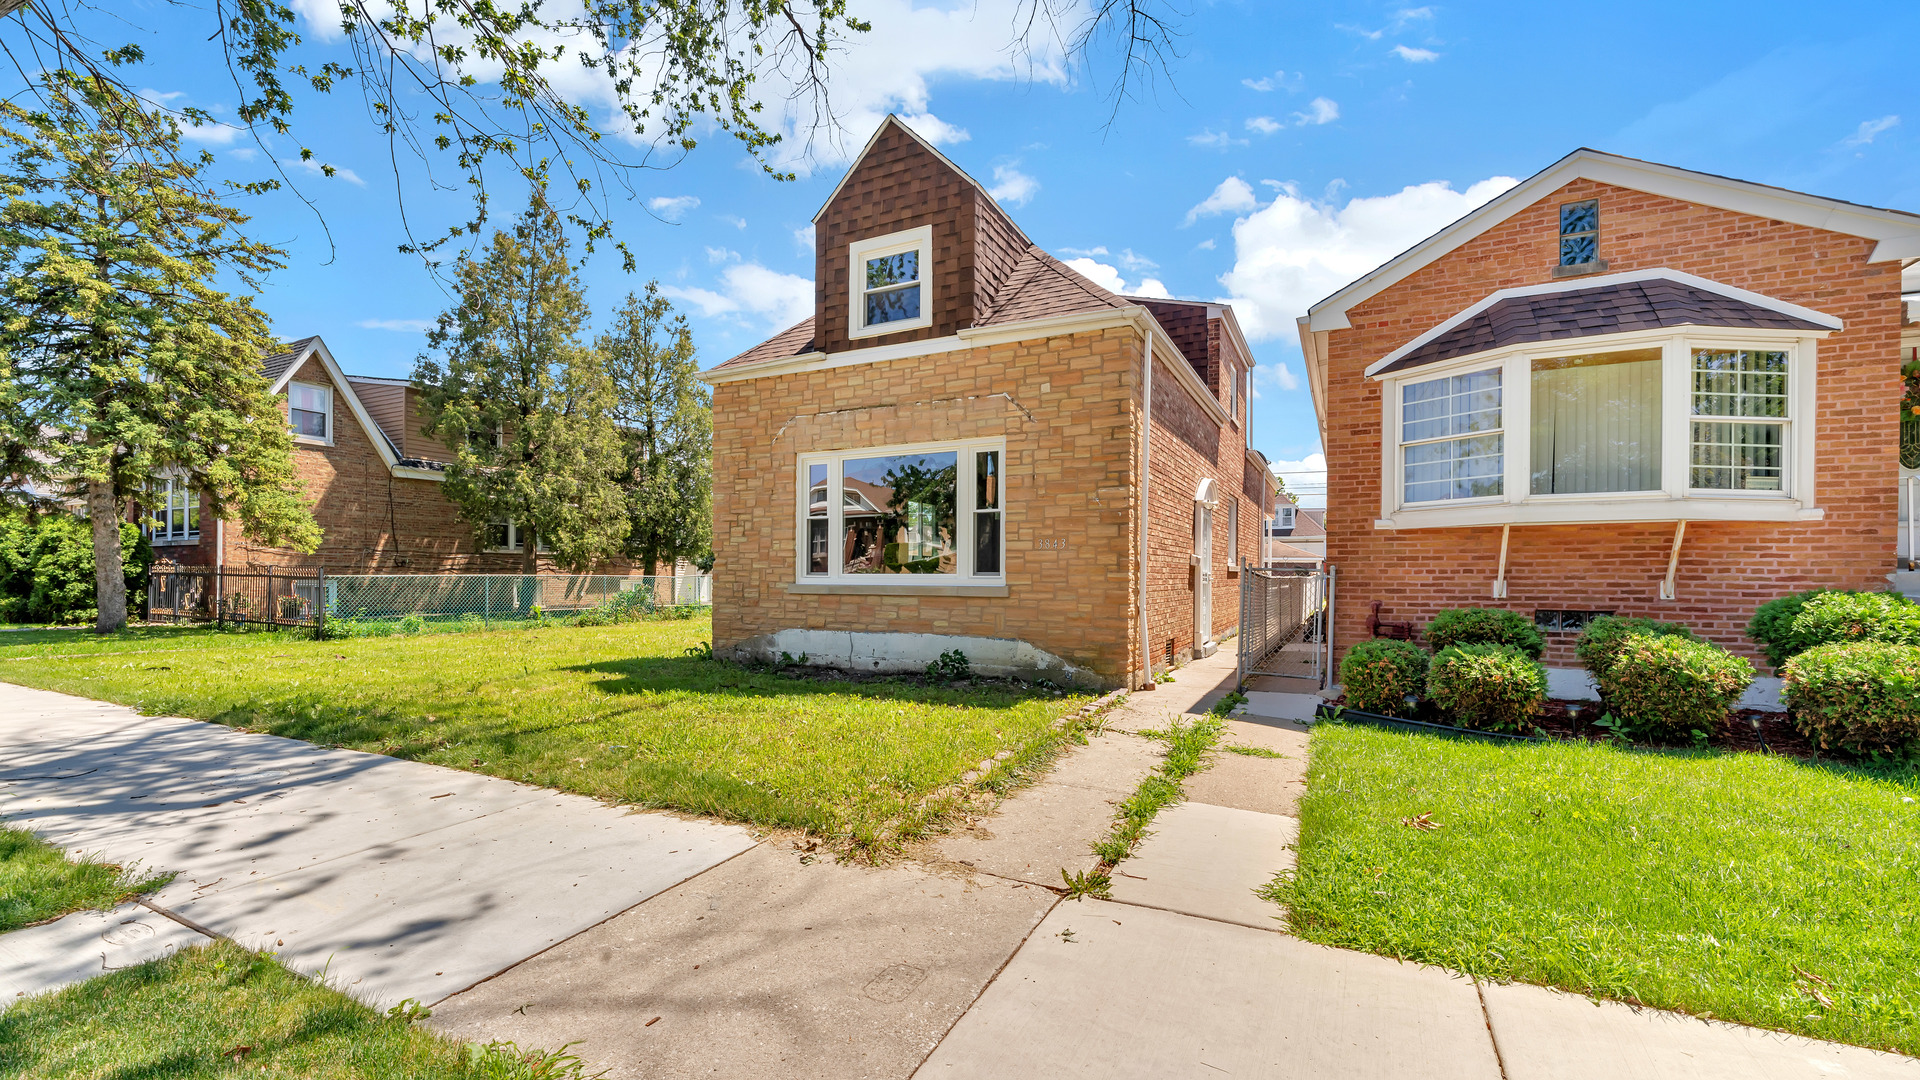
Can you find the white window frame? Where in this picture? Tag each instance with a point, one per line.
(1675, 499)
(875, 247)
(1233, 534)
(326, 392)
(1284, 517)
(516, 542)
(964, 510)
(160, 497)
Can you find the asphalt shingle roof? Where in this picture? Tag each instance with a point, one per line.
(276, 365)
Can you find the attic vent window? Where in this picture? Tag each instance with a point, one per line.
(1580, 234)
(889, 281)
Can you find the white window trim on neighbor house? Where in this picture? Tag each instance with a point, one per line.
(326, 395)
(964, 580)
(874, 247)
(164, 492)
(516, 542)
(1674, 500)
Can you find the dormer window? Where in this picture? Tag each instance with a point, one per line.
(889, 276)
(1580, 233)
(310, 412)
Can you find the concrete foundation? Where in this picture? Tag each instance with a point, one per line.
(861, 650)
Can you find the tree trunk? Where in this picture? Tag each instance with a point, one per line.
(529, 553)
(109, 576)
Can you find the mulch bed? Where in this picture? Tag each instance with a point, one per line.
(1574, 720)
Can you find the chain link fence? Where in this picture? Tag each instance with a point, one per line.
(1284, 616)
(506, 596)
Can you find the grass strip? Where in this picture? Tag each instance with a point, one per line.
(1187, 747)
(221, 1011)
(39, 883)
(1745, 887)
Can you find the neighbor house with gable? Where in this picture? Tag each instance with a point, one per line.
(1618, 388)
(969, 446)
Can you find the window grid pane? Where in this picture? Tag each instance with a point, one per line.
(895, 305)
(1738, 456)
(1445, 409)
(1743, 383)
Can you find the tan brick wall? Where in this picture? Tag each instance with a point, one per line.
(1726, 569)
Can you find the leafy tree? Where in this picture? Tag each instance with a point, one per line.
(46, 565)
(666, 414)
(527, 410)
(122, 360)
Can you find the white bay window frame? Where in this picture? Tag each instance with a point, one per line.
(965, 517)
(1675, 499)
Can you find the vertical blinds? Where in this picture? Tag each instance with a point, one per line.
(1596, 423)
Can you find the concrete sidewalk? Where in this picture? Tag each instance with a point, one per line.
(396, 878)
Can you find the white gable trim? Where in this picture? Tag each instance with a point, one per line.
(343, 389)
(1599, 281)
(1898, 234)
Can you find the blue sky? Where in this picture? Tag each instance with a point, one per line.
(1296, 147)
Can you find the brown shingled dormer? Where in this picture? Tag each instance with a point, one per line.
(899, 184)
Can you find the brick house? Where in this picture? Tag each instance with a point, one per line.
(1619, 387)
(970, 446)
(373, 479)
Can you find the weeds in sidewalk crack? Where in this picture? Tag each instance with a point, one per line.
(1187, 746)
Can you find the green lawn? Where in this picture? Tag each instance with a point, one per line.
(222, 1011)
(1750, 888)
(38, 882)
(620, 712)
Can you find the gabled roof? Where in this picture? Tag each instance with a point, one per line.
(1897, 231)
(273, 367)
(795, 340)
(895, 121)
(312, 348)
(1610, 304)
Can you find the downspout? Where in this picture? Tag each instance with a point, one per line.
(1146, 474)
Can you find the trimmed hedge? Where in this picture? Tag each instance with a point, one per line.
(1861, 696)
(1490, 687)
(1484, 626)
(1600, 643)
(1380, 674)
(1665, 687)
(1842, 615)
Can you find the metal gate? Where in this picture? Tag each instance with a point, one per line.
(1284, 620)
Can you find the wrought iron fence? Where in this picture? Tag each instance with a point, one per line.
(1284, 619)
(310, 598)
(216, 594)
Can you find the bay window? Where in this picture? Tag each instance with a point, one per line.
(898, 512)
(1655, 425)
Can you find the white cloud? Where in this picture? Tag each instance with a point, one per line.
(1869, 130)
(751, 292)
(210, 134)
(1206, 245)
(243, 153)
(1401, 19)
(1415, 56)
(1306, 479)
(735, 221)
(803, 237)
(674, 207)
(314, 166)
(403, 326)
(1294, 252)
(1265, 125)
(1319, 111)
(1108, 278)
(1231, 197)
(1077, 252)
(1011, 186)
(1215, 140)
(1266, 83)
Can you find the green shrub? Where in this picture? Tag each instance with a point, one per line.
(412, 624)
(1380, 674)
(950, 666)
(1484, 626)
(1665, 688)
(593, 616)
(1861, 696)
(1600, 642)
(1491, 687)
(46, 567)
(1776, 625)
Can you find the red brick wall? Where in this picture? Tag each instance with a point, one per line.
(1726, 569)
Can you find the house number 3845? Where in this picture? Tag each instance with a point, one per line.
(1054, 544)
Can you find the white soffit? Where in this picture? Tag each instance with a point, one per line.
(1897, 233)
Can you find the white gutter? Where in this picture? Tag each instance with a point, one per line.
(1146, 474)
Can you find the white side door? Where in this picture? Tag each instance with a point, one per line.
(1203, 644)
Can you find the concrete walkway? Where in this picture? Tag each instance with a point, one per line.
(397, 879)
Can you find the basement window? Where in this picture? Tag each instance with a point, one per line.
(1561, 621)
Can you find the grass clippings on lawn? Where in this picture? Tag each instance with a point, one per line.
(222, 1011)
(38, 882)
(621, 712)
(1751, 888)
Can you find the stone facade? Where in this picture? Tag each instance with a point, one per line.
(1726, 569)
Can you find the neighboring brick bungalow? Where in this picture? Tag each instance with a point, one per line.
(979, 408)
(373, 479)
(1619, 387)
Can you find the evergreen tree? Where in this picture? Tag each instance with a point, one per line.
(122, 360)
(526, 409)
(666, 413)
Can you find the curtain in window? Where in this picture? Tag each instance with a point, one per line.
(1596, 423)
